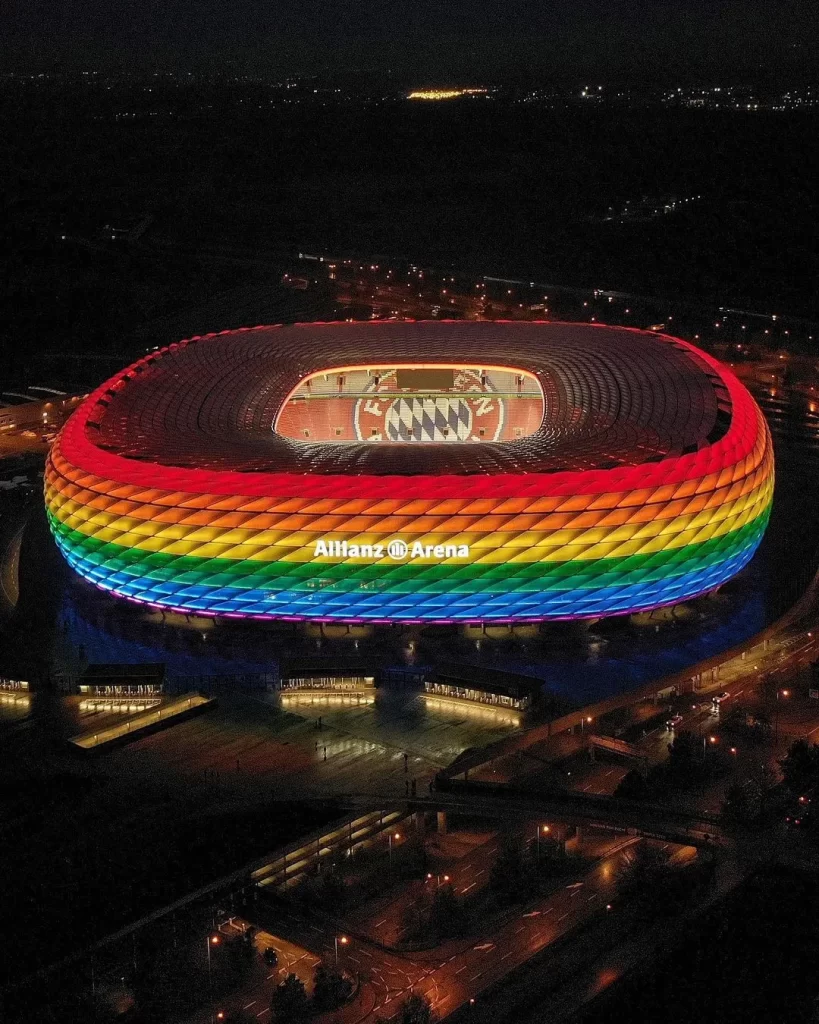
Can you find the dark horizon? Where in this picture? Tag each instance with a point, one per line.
(625, 42)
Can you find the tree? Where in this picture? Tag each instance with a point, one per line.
(436, 915)
(768, 690)
(762, 724)
(762, 778)
(415, 1010)
(736, 808)
(333, 892)
(752, 728)
(444, 911)
(682, 752)
(632, 786)
(509, 872)
(642, 869)
(414, 918)
(800, 767)
(170, 983)
(247, 943)
(290, 1004)
(735, 719)
(331, 988)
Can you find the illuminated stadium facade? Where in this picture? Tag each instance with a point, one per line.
(414, 472)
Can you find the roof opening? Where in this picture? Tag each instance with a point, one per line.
(413, 404)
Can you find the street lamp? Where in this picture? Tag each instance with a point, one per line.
(390, 838)
(546, 830)
(699, 726)
(779, 693)
(343, 940)
(211, 940)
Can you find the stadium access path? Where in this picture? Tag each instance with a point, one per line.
(246, 747)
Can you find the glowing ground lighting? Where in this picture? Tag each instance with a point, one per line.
(15, 699)
(305, 697)
(648, 482)
(473, 710)
(15, 692)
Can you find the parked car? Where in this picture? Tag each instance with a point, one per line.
(270, 956)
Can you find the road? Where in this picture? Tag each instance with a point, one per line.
(466, 974)
(465, 861)
(10, 541)
(255, 998)
(382, 920)
(449, 976)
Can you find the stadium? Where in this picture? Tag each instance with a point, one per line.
(405, 472)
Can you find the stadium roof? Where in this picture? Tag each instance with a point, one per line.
(613, 397)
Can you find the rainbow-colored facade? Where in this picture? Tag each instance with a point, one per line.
(649, 481)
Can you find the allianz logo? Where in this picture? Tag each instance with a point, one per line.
(398, 550)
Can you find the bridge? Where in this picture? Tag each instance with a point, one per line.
(619, 747)
(375, 818)
(499, 800)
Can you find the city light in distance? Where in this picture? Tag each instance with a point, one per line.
(444, 94)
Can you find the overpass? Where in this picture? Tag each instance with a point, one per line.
(648, 820)
(618, 747)
(375, 817)
(500, 800)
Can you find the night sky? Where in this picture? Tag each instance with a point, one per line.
(438, 40)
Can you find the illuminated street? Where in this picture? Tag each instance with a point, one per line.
(451, 977)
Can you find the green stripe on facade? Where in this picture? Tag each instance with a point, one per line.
(189, 570)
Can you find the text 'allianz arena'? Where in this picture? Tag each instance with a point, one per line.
(414, 472)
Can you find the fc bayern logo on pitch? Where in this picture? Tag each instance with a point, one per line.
(470, 412)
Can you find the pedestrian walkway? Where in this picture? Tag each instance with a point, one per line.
(139, 725)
